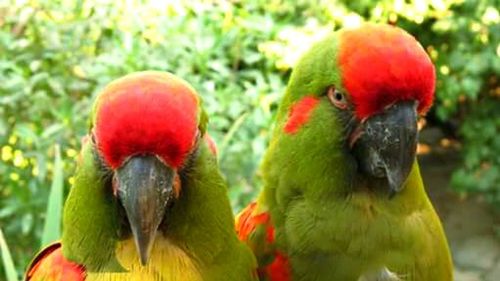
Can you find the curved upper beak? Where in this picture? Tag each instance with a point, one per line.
(388, 144)
(145, 186)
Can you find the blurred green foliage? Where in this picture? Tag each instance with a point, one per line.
(55, 56)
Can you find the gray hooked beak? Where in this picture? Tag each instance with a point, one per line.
(387, 145)
(145, 186)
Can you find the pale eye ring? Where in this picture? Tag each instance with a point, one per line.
(336, 97)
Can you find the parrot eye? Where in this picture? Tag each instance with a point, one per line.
(336, 97)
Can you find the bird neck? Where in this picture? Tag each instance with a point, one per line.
(167, 262)
(202, 217)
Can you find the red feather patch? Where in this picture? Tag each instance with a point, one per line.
(50, 264)
(278, 270)
(146, 113)
(382, 64)
(246, 223)
(299, 114)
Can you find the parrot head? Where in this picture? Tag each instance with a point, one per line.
(369, 84)
(146, 127)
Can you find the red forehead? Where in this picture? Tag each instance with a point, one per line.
(382, 64)
(146, 113)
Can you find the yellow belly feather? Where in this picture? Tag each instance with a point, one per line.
(167, 262)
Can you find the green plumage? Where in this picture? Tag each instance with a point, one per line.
(91, 222)
(332, 222)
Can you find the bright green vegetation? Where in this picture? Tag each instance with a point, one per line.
(55, 56)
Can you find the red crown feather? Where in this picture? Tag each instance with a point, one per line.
(382, 64)
(146, 113)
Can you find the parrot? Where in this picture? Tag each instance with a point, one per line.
(342, 196)
(148, 201)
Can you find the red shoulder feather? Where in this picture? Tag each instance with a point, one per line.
(248, 224)
(51, 265)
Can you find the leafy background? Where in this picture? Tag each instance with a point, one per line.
(55, 56)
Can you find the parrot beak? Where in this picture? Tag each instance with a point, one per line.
(145, 187)
(387, 145)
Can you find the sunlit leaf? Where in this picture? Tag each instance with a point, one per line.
(52, 227)
(8, 264)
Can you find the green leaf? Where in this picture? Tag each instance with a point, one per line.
(52, 227)
(229, 136)
(8, 264)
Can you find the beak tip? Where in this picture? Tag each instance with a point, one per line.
(144, 259)
(143, 249)
(144, 245)
(392, 192)
(396, 181)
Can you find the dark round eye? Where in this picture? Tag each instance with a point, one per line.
(337, 98)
